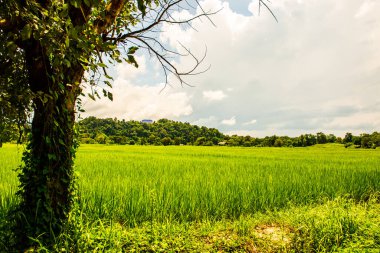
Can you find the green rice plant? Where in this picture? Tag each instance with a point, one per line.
(341, 225)
(132, 185)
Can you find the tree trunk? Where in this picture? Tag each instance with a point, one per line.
(46, 179)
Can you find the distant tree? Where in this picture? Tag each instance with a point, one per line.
(166, 141)
(365, 141)
(331, 138)
(376, 139)
(200, 141)
(101, 138)
(348, 138)
(357, 140)
(178, 140)
(321, 138)
(278, 142)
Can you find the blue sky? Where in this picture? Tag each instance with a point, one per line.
(240, 6)
(317, 69)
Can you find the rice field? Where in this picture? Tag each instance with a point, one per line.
(137, 184)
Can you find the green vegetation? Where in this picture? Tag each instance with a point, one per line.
(332, 226)
(163, 132)
(149, 198)
(168, 132)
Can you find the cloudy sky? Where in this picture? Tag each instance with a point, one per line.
(317, 69)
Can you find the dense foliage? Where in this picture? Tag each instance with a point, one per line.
(168, 132)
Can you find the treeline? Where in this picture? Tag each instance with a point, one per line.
(168, 132)
(162, 132)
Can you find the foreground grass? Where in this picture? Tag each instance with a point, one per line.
(217, 199)
(140, 184)
(340, 225)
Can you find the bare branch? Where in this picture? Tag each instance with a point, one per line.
(161, 52)
(169, 67)
(158, 19)
(269, 9)
(146, 37)
(165, 11)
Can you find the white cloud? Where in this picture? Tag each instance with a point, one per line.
(229, 122)
(288, 75)
(365, 8)
(214, 95)
(132, 102)
(136, 102)
(252, 122)
(317, 69)
(242, 133)
(211, 121)
(127, 71)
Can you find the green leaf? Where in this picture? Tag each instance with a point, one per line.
(141, 6)
(52, 157)
(108, 84)
(67, 62)
(91, 96)
(102, 65)
(108, 77)
(87, 2)
(76, 3)
(26, 32)
(132, 50)
(110, 96)
(132, 60)
(67, 41)
(97, 94)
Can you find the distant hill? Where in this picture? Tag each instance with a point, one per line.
(169, 132)
(161, 132)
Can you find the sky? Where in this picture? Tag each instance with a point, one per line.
(317, 69)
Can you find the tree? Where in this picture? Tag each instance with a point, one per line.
(53, 43)
(166, 141)
(348, 138)
(331, 138)
(321, 138)
(278, 142)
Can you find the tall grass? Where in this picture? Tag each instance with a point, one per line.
(10, 159)
(135, 184)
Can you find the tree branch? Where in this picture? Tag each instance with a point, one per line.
(261, 2)
(146, 37)
(113, 9)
